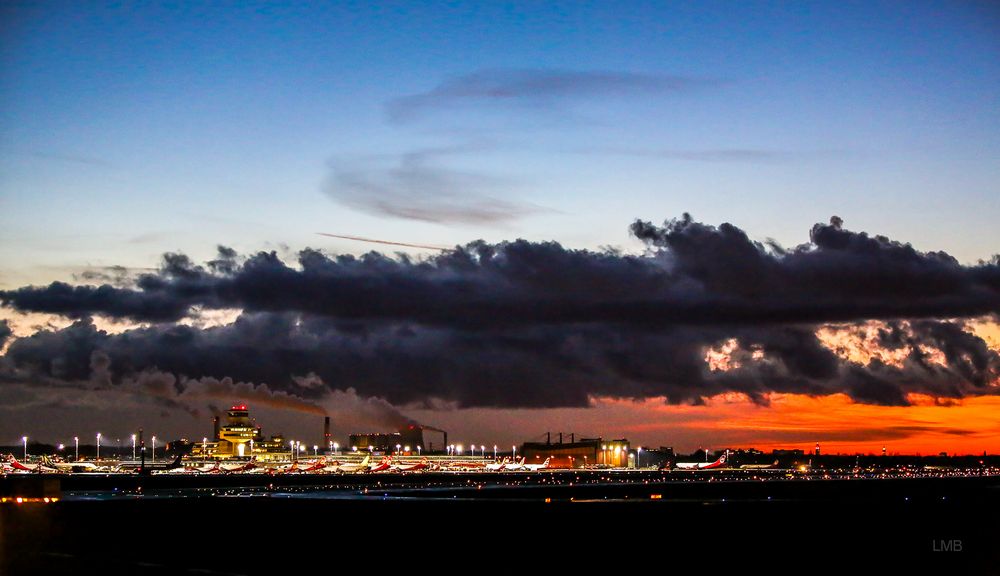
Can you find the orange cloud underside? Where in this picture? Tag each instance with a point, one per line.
(969, 426)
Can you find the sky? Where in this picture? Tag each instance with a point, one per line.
(131, 132)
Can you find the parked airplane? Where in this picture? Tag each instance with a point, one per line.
(354, 468)
(382, 466)
(320, 465)
(537, 467)
(703, 465)
(515, 465)
(72, 466)
(412, 467)
(245, 467)
(467, 465)
(206, 469)
(22, 468)
(497, 466)
(163, 467)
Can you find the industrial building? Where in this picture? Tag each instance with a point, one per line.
(409, 439)
(587, 452)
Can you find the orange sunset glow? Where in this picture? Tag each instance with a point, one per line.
(927, 425)
(969, 426)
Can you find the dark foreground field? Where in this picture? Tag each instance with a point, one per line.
(947, 526)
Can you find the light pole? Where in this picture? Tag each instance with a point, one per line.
(419, 447)
(494, 452)
(397, 449)
(76, 441)
(98, 445)
(315, 450)
(153, 452)
(25, 440)
(514, 449)
(251, 448)
(133, 447)
(335, 448)
(482, 451)
(638, 452)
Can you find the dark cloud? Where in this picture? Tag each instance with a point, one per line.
(118, 276)
(694, 274)
(538, 325)
(225, 262)
(79, 301)
(536, 87)
(416, 186)
(5, 332)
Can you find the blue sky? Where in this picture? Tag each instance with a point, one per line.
(127, 132)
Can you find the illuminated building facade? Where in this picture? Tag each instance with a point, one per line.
(585, 453)
(234, 438)
(240, 438)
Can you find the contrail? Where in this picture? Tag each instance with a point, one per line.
(375, 241)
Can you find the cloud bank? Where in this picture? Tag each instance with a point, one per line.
(523, 324)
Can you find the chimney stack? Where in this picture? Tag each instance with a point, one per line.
(326, 431)
(215, 428)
